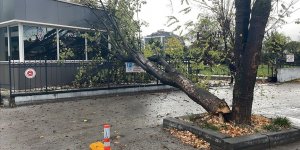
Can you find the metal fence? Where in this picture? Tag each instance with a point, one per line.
(48, 76)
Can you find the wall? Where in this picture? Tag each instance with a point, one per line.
(7, 10)
(288, 74)
(47, 11)
(4, 75)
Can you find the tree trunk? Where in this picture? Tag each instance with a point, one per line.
(248, 44)
(171, 76)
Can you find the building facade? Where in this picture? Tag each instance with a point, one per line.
(55, 29)
(40, 34)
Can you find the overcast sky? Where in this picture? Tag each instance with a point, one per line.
(155, 13)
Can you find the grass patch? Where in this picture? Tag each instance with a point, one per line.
(223, 70)
(278, 124)
(215, 70)
(262, 71)
(282, 122)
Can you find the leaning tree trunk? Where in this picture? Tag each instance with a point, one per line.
(171, 76)
(248, 44)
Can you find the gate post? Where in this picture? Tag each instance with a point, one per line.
(9, 101)
(46, 74)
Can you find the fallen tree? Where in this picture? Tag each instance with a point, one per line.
(117, 19)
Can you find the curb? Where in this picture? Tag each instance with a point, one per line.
(219, 141)
(226, 77)
(66, 96)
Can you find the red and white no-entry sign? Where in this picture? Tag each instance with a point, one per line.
(30, 73)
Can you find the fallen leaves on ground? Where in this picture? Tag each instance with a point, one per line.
(190, 138)
(212, 121)
(259, 121)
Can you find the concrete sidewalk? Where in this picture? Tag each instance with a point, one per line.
(136, 120)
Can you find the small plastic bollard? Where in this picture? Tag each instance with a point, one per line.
(106, 139)
(106, 144)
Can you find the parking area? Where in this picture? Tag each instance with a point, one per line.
(135, 119)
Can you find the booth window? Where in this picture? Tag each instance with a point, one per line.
(3, 44)
(40, 43)
(14, 42)
(71, 45)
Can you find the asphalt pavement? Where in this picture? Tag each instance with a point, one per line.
(135, 119)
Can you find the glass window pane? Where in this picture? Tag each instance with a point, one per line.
(71, 45)
(14, 42)
(40, 43)
(3, 44)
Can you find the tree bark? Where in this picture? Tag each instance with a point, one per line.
(248, 52)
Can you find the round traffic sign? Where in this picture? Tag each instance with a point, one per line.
(30, 73)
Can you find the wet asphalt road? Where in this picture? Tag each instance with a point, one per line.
(136, 119)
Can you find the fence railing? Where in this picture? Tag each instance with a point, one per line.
(48, 76)
(52, 76)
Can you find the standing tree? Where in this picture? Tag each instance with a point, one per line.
(223, 12)
(209, 42)
(250, 27)
(274, 47)
(249, 33)
(174, 50)
(293, 47)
